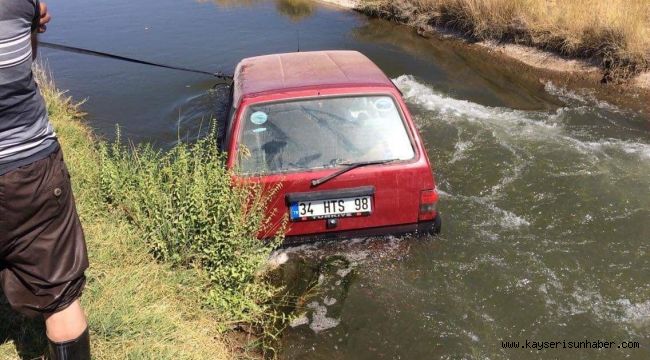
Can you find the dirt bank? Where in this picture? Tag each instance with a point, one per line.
(531, 56)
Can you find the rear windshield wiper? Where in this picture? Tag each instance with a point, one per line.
(348, 167)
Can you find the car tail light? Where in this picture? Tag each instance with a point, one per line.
(428, 205)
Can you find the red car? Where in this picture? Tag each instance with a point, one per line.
(333, 131)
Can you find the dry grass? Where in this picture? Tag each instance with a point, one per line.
(615, 33)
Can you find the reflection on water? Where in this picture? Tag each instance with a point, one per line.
(233, 3)
(295, 10)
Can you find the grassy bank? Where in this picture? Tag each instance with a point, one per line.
(613, 33)
(173, 262)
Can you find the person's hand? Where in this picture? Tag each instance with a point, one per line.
(45, 18)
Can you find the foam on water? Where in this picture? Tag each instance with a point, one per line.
(355, 251)
(516, 169)
(515, 129)
(525, 136)
(497, 216)
(452, 110)
(320, 321)
(276, 259)
(508, 219)
(299, 321)
(631, 148)
(590, 300)
(442, 193)
(576, 99)
(524, 139)
(329, 301)
(460, 151)
(344, 272)
(636, 313)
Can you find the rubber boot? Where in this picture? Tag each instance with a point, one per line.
(77, 349)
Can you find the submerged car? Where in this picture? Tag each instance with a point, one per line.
(331, 133)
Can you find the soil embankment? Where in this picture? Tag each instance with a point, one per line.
(612, 49)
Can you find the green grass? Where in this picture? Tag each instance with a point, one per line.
(173, 262)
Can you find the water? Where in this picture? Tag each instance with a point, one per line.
(545, 188)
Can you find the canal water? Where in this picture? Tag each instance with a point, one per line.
(545, 188)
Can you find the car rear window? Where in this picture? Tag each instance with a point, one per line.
(319, 133)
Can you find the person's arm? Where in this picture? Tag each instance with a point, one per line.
(43, 17)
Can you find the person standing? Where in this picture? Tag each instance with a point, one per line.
(43, 253)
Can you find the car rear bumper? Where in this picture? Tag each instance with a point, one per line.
(421, 228)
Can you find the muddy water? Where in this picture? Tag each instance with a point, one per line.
(545, 189)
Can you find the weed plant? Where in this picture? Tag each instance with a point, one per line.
(193, 215)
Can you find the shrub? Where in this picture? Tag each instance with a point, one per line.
(193, 216)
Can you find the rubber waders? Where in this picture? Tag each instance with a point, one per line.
(77, 349)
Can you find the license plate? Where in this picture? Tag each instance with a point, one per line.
(331, 208)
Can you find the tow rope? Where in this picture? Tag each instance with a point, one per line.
(218, 75)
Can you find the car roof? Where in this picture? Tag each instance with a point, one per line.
(281, 72)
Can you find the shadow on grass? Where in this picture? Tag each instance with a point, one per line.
(27, 335)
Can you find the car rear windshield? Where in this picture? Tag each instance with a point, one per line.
(321, 133)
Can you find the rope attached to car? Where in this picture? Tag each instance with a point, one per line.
(219, 75)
